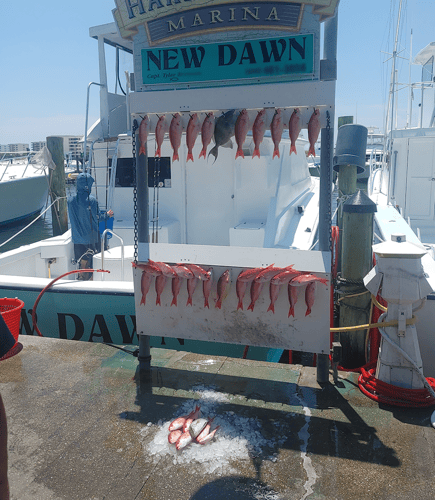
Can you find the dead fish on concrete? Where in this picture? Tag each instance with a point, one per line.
(178, 423)
(197, 426)
(223, 131)
(198, 431)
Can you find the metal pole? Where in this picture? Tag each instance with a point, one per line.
(327, 147)
(86, 122)
(143, 242)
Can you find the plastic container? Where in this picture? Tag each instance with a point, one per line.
(10, 309)
(351, 146)
(105, 224)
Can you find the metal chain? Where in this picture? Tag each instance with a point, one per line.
(133, 142)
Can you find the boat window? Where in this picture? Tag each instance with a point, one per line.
(159, 172)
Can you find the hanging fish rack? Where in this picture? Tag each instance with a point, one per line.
(305, 111)
(286, 96)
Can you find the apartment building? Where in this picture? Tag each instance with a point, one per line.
(37, 146)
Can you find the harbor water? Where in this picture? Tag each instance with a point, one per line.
(28, 232)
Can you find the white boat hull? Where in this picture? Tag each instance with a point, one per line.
(22, 198)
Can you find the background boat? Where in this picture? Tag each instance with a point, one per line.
(402, 185)
(24, 184)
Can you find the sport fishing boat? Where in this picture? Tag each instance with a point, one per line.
(249, 194)
(402, 184)
(24, 183)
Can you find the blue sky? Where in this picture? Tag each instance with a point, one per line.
(48, 59)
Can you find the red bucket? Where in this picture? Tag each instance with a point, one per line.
(10, 309)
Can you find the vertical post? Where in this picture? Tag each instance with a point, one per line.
(347, 177)
(349, 161)
(143, 243)
(59, 210)
(357, 260)
(328, 72)
(104, 93)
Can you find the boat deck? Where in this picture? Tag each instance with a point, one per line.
(82, 426)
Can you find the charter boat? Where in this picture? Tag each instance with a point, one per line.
(24, 184)
(258, 204)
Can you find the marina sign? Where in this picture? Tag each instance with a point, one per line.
(286, 57)
(170, 19)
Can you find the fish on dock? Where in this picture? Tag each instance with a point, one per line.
(285, 276)
(250, 274)
(165, 269)
(193, 128)
(176, 287)
(258, 130)
(206, 289)
(313, 131)
(182, 271)
(223, 131)
(191, 285)
(240, 292)
(221, 287)
(310, 292)
(160, 135)
(269, 273)
(292, 298)
(179, 421)
(276, 129)
(145, 283)
(241, 131)
(143, 134)
(207, 131)
(184, 440)
(175, 133)
(273, 295)
(294, 129)
(174, 436)
(150, 268)
(209, 437)
(198, 271)
(305, 278)
(160, 286)
(190, 418)
(256, 288)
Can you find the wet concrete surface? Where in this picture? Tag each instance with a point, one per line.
(82, 424)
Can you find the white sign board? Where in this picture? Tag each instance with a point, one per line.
(259, 327)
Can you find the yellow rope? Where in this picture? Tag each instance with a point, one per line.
(353, 295)
(394, 322)
(378, 305)
(369, 326)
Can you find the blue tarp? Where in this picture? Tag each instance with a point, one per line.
(84, 214)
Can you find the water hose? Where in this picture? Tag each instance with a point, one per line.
(35, 326)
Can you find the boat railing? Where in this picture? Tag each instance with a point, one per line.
(108, 186)
(103, 240)
(86, 122)
(9, 162)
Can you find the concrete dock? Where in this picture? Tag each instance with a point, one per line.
(82, 426)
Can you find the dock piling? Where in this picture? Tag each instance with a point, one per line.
(59, 210)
